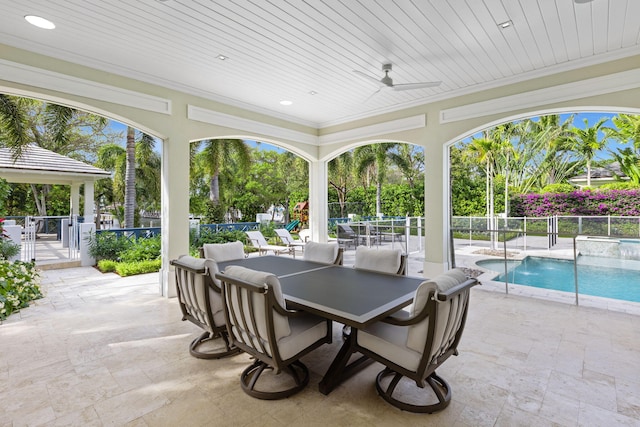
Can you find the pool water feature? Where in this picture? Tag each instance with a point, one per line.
(557, 274)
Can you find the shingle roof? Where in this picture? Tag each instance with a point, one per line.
(42, 162)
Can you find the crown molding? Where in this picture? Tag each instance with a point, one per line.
(247, 125)
(589, 87)
(408, 123)
(38, 77)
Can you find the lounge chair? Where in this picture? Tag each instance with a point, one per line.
(346, 236)
(288, 239)
(415, 346)
(259, 242)
(259, 324)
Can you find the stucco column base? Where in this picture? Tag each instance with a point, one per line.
(168, 281)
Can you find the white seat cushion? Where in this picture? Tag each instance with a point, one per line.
(380, 260)
(305, 330)
(325, 253)
(389, 341)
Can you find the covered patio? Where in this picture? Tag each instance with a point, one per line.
(100, 350)
(496, 63)
(104, 350)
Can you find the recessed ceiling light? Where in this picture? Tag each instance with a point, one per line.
(313, 92)
(285, 102)
(505, 24)
(40, 22)
(222, 57)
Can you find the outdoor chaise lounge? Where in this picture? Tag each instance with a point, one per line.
(200, 301)
(259, 242)
(277, 338)
(288, 239)
(415, 346)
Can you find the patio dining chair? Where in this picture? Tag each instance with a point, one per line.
(287, 239)
(221, 252)
(389, 261)
(413, 347)
(259, 323)
(326, 253)
(259, 242)
(200, 301)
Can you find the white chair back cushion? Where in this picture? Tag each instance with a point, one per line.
(221, 252)
(417, 335)
(281, 323)
(325, 253)
(380, 260)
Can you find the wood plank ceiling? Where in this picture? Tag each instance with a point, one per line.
(306, 51)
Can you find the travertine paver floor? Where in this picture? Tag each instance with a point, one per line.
(102, 350)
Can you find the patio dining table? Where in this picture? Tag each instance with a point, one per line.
(354, 297)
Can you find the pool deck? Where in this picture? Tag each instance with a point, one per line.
(468, 255)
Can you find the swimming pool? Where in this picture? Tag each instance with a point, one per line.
(557, 274)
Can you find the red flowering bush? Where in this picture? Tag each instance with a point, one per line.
(578, 203)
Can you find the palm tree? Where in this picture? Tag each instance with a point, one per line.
(13, 121)
(130, 179)
(61, 129)
(376, 157)
(587, 142)
(217, 152)
(341, 177)
(544, 148)
(627, 130)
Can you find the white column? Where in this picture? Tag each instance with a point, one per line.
(318, 200)
(75, 198)
(175, 209)
(436, 211)
(86, 229)
(88, 201)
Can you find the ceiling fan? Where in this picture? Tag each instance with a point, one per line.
(387, 82)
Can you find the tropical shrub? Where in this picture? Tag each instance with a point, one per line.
(107, 245)
(8, 248)
(142, 250)
(107, 265)
(139, 267)
(557, 188)
(620, 185)
(19, 284)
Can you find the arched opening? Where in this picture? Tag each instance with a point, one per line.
(538, 183)
(91, 140)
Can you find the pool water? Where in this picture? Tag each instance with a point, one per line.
(558, 274)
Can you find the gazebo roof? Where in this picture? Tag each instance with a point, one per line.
(41, 166)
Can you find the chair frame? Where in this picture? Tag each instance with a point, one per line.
(199, 312)
(292, 366)
(425, 374)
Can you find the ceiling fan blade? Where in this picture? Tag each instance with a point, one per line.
(409, 86)
(368, 77)
(372, 95)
